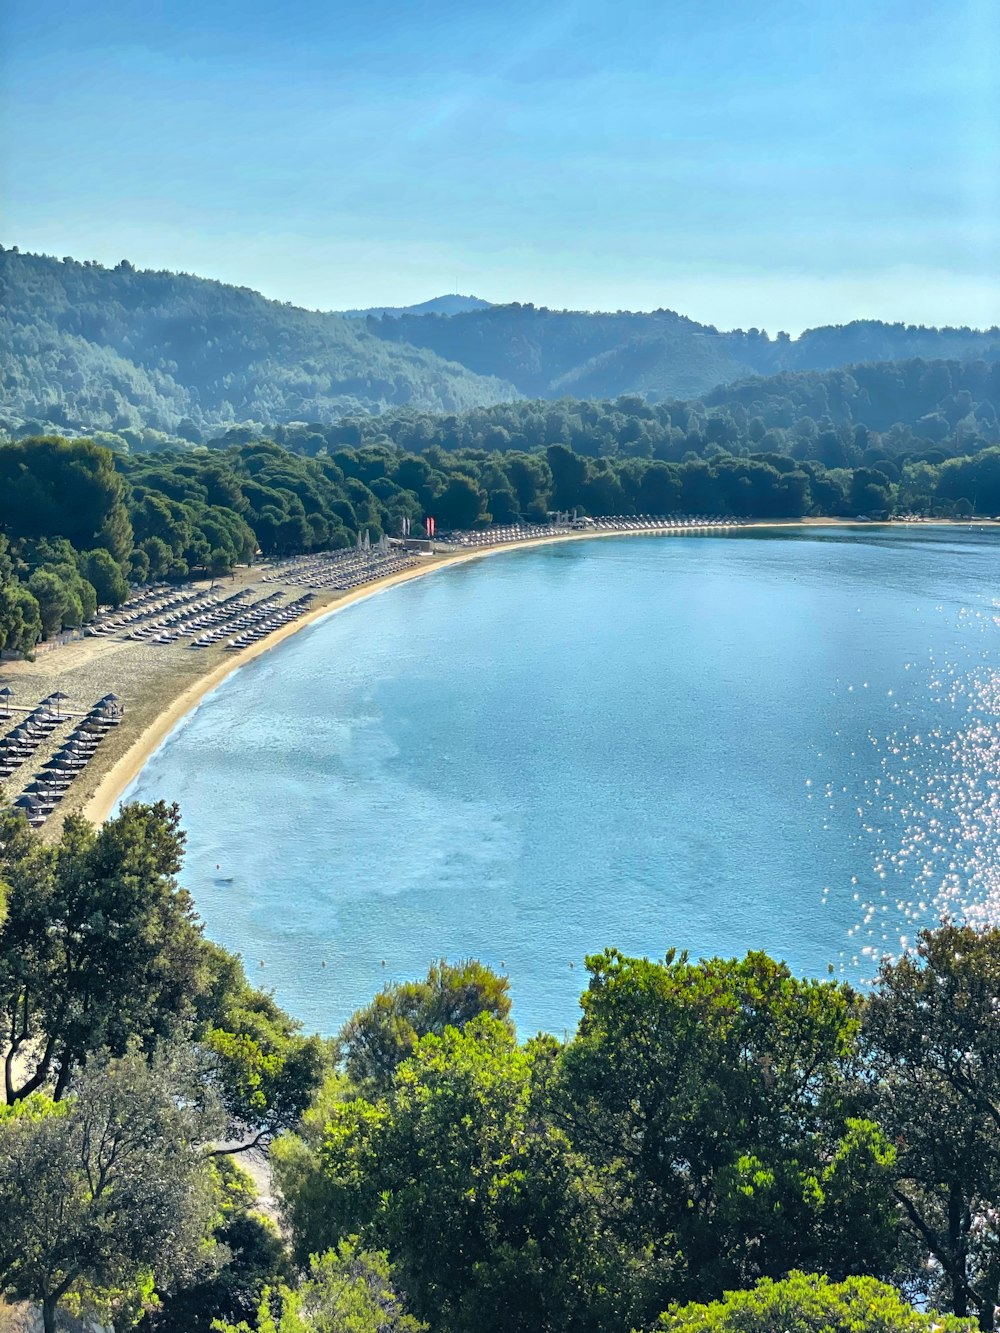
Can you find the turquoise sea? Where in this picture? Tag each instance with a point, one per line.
(711, 743)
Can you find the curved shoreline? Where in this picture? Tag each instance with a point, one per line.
(101, 804)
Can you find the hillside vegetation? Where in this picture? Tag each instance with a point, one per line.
(553, 354)
(90, 348)
(85, 349)
(901, 410)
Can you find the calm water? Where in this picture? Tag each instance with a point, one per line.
(710, 743)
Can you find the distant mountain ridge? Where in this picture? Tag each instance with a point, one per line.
(87, 348)
(659, 355)
(91, 348)
(452, 304)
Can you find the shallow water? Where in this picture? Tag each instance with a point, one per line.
(787, 743)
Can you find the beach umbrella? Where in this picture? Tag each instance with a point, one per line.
(6, 694)
(28, 802)
(111, 698)
(57, 698)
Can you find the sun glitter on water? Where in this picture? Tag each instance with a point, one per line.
(930, 819)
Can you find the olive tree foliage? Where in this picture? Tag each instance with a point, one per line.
(106, 1188)
(932, 1044)
(253, 1258)
(101, 948)
(347, 1290)
(809, 1303)
(375, 1040)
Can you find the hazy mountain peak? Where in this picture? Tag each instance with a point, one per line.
(452, 304)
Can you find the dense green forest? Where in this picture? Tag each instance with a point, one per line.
(85, 349)
(560, 353)
(80, 524)
(91, 348)
(719, 1147)
(914, 408)
(910, 409)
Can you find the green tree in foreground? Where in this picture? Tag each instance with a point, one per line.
(807, 1303)
(714, 1100)
(102, 1191)
(100, 947)
(305, 1189)
(255, 1260)
(348, 1290)
(932, 1042)
(491, 1221)
(376, 1039)
(266, 1072)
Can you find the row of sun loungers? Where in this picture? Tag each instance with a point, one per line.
(342, 570)
(261, 620)
(520, 532)
(365, 570)
(513, 532)
(52, 781)
(214, 619)
(203, 614)
(298, 568)
(21, 742)
(665, 523)
(138, 605)
(136, 611)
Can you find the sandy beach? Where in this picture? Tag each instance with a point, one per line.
(159, 684)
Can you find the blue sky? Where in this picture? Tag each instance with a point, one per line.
(748, 162)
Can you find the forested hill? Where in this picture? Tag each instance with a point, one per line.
(90, 348)
(556, 354)
(897, 409)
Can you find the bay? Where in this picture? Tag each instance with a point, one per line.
(706, 743)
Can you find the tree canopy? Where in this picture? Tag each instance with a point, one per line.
(720, 1144)
(103, 1188)
(805, 1303)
